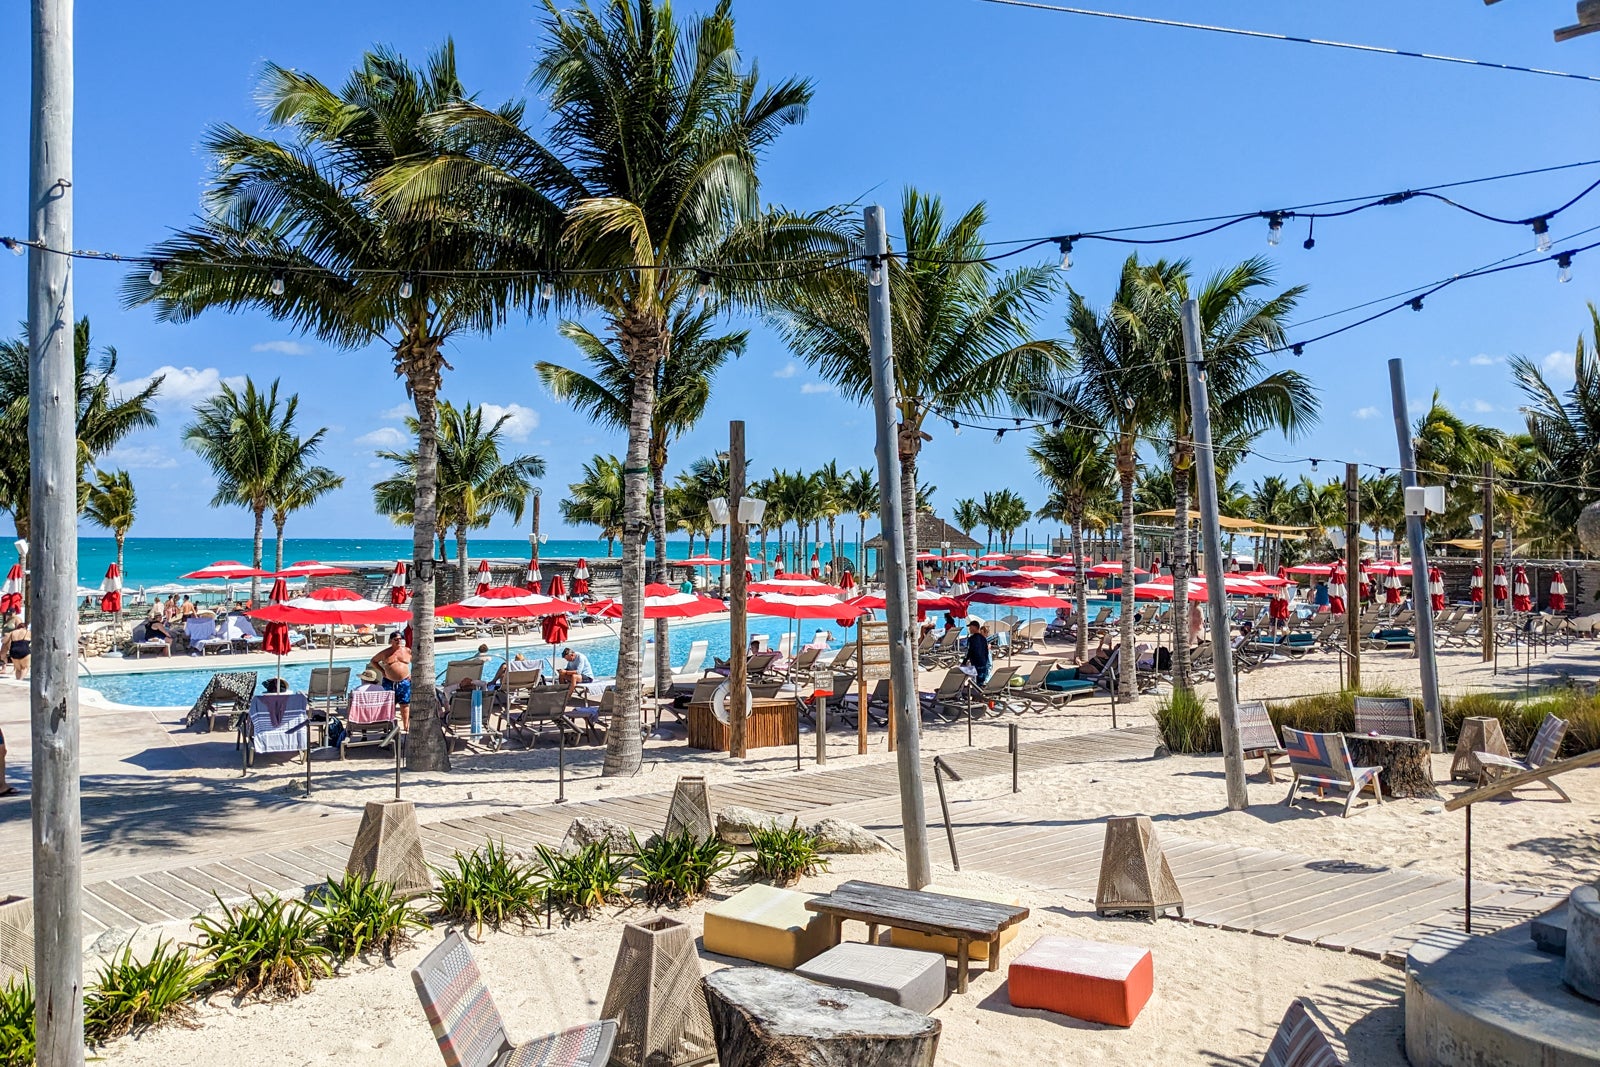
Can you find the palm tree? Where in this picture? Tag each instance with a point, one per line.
(298, 488)
(1267, 502)
(311, 227)
(1447, 445)
(104, 417)
(475, 482)
(961, 334)
(831, 486)
(598, 499)
(111, 505)
(1565, 428)
(682, 388)
(1075, 467)
(861, 495)
(251, 446)
(708, 478)
(967, 515)
(646, 170)
(1008, 512)
(1382, 505)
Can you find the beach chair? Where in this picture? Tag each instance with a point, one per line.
(1301, 1041)
(1387, 716)
(1256, 735)
(841, 659)
(369, 720)
(799, 669)
(141, 642)
(848, 697)
(993, 696)
(276, 722)
(1051, 685)
(944, 650)
(547, 705)
(1544, 749)
(694, 664)
(241, 633)
(326, 692)
(227, 694)
(950, 688)
(785, 646)
(759, 664)
(201, 631)
(458, 717)
(470, 1031)
(461, 670)
(1323, 761)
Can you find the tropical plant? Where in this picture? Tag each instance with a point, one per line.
(967, 515)
(961, 335)
(266, 947)
(1448, 446)
(832, 485)
(1075, 467)
(580, 882)
(682, 386)
(677, 868)
(312, 226)
(863, 497)
(489, 888)
(130, 996)
(1565, 427)
(17, 1022)
(598, 499)
(707, 478)
(1004, 511)
(110, 503)
(360, 915)
(253, 451)
(301, 486)
(1382, 505)
(1184, 724)
(475, 483)
(784, 853)
(104, 417)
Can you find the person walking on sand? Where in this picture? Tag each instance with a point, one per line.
(18, 647)
(394, 663)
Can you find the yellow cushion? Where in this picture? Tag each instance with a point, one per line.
(768, 925)
(978, 950)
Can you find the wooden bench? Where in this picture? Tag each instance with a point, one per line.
(964, 921)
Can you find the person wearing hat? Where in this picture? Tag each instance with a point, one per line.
(394, 665)
(370, 679)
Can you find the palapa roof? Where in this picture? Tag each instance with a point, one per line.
(932, 531)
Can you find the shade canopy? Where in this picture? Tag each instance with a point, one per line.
(1199, 589)
(310, 568)
(998, 576)
(926, 601)
(704, 561)
(1030, 598)
(791, 606)
(663, 602)
(1110, 569)
(796, 586)
(1043, 576)
(506, 602)
(226, 569)
(333, 604)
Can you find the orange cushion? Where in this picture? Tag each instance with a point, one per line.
(1084, 979)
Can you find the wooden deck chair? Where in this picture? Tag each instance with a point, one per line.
(1323, 760)
(1544, 749)
(1300, 1041)
(1389, 716)
(1257, 737)
(470, 1031)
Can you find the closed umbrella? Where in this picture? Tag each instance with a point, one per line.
(1475, 588)
(1436, 588)
(275, 639)
(1501, 585)
(962, 584)
(816, 566)
(535, 577)
(485, 577)
(553, 628)
(580, 578)
(1364, 587)
(399, 582)
(558, 586)
(1336, 589)
(11, 593)
(847, 582)
(1278, 608)
(1558, 593)
(111, 591)
(1521, 592)
(1391, 589)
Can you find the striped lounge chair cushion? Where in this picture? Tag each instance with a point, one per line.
(461, 1011)
(1300, 1042)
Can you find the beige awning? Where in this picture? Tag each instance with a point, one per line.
(1228, 522)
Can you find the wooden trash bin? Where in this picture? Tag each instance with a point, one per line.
(1134, 873)
(690, 809)
(773, 722)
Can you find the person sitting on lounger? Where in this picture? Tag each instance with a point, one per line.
(1091, 667)
(578, 669)
(155, 628)
(394, 663)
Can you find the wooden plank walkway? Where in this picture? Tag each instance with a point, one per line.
(140, 886)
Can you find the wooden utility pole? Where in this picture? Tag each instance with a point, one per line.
(52, 591)
(738, 621)
(1352, 566)
(1486, 613)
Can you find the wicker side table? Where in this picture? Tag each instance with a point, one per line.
(690, 809)
(388, 848)
(1134, 873)
(1479, 733)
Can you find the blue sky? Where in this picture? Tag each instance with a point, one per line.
(1061, 124)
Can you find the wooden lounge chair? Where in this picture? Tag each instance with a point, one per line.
(1546, 746)
(1388, 716)
(1257, 737)
(1300, 1041)
(469, 1028)
(1323, 760)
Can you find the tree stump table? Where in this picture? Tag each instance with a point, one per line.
(1479, 733)
(769, 1018)
(1405, 764)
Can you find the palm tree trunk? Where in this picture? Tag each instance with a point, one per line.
(1127, 465)
(642, 338)
(121, 536)
(426, 749)
(278, 522)
(659, 509)
(908, 516)
(1081, 587)
(255, 558)
(861, 550)
(464, 584)
(1180, 570)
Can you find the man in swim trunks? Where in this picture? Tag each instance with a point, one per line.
(394, 663)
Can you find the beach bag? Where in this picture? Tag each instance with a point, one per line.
(336, 731)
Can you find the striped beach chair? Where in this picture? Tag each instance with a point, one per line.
(1257, 737)
(1323, 760)
(468, 1026)
(1389, 716)
(1300, 1041)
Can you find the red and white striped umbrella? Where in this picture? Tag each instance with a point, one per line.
(927, 601)
(1502, 586)
(1475, 588)
(330, 605)
(1032, 599)
(580, 578)
(399, 583)
(958, 557)
(960, 585)
(1110, 569)
(1040, 576)
(929, 557)
(1521, 592)
(1232, 585)
(558, 586)
(111, 590)
(816, 566)
(310, 568)
(506, 602)
(1558, 593)
(847, 582)
(11, 593)
(1436, 588)
(803, 606)
(1316, 570)
(534, 577)
(1336, 589)
(275, 638)
(662, 602)
(1364, 586)
(227, 569)
(1391, 589)
(1278, 609)
(795, 586)
(704, 560)
(998, 576)
(990, 557)
(485, 577)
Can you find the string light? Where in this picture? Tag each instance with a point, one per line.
(875, 276)
(1564, 261)
(547, 291)
(1274, 229)
(12, 245)
(1541, 234)
(1415, 303)
(703, 277)
(955, 427)
(406, 288)
(277, 285)
(155, 274)
(1314, 464)
(999, 435)
(1065, 245)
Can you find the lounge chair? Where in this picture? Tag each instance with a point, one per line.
(461, 670)
(1387, 716)
(469, 1028)
(201, 630)
(1056, 685)
(1256, 735)
(800, 667)
(993, 696)
(241, 633)
(945, 649)
(1546, 746)
(276, 722)
(950, 688)
(142, 642)
(327, 690)
(694, 664)
(458, 718)
(1323, 760)
(547, 705)
(369, 721)
(227, 694)
(1300, 1041)
(841, 659)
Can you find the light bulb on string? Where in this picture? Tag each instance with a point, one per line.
(1065, 244)
(1298, 350)
(1314, 464)
(12, 245)
(406, 288)
(1274, 229)
(875, 276)
(1311, 235)
(547, 291)
(1127, 403)
(1541, 234)
(155, 274)
(999, 435)
(1564, 261)
(277, 285)
(955, 427)
(1416, 303)
(703, 277)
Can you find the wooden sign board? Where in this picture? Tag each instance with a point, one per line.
(872, 664)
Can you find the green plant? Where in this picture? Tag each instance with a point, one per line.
(784, 853)
(266, 947)
(361, 916)
(1520, 719)
(16, 1023)
(132, 995)
(488, 888)
(585, 880)
(678, 868)
(1325, 713)
(1184, 724)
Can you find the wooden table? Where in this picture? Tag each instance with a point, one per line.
(1405, 764)
(773, 722)
(1479, 733)
(929, 913)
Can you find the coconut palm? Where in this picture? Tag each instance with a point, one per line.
(962, 334)
(299, 487)
(597, 499)
(1006, 511)
(306, 225)
(111, 505)
(1565, 427)
(475, 482)
(1074, 466)
(1382, 505)
(831, 485)
(1455, 450)
(861, 496)
(967, 515)
(251, 446)
(708, 478)
(104, 417)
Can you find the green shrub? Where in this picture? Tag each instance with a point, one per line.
(360, 916)
(16, 1023)
(488, 888)
(587, 879)
(1324, 713)
(678, 868)
(1184, 724)
(1520, 719)
(266, 948)
(783, 854)
(130, 996)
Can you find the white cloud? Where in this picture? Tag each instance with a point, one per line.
(1558, 368)
(283, 348)
(383, 437)
(1480, 407)
(182, 386)
(1365, 413)
(520, 421)
(398, 412)
(1485, 361)
(816, 387)
(141, 457)
(788, 370)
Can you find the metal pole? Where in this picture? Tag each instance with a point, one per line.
(1467, 903)
(822, 730)
(561, 761)
(738, 621)
(1486, 609)
(1416, 536)
(940, 768)
(52, 590)
(902, 667)
(1352, 555)
(1015, 753)
(1221, 647)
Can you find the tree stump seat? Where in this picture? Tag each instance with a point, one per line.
(1405, 764)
